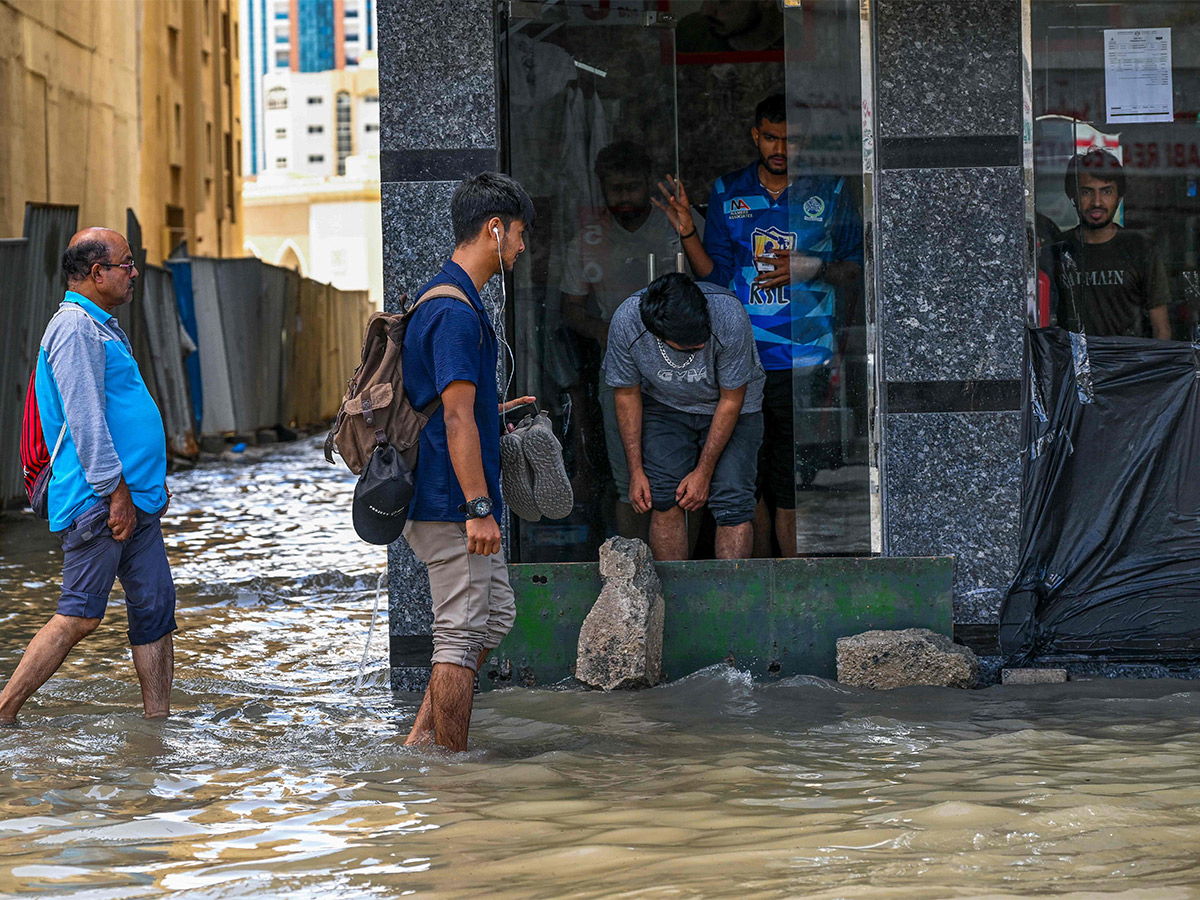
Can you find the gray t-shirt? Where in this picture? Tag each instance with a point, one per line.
(686, 381)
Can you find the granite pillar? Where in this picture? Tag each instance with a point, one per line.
(951, 282)
(437, 87)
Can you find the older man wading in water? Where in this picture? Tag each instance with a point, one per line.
(108, 489)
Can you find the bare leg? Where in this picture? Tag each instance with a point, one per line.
(42, 658)
(452, 694)
(155, 666)
(668, 534)
(762, 531)
(785, 529)
(735, 541)
(422, 730)
(631, 524)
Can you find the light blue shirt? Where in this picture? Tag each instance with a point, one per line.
(87, 377)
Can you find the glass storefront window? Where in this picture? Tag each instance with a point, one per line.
(602, 102)
(1115, 88)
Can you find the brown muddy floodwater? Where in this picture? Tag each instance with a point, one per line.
(275, 778)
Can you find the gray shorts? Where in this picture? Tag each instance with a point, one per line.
(671, 445)
(92, 561)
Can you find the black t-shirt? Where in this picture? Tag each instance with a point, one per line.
(1108, 285)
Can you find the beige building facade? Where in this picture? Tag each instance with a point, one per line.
(324, 227)
(124, 104)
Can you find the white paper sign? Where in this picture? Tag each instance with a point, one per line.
(1137, 75)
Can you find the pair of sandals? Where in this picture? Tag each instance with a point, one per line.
(532, 473)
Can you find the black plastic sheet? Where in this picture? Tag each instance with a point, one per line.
(1110, 525)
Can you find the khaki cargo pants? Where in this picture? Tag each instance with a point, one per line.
(473, 603)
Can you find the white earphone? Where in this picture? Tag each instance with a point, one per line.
(512, 362)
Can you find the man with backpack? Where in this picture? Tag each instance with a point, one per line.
(450, 351)
(107, 490)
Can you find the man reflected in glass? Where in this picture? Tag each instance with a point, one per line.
(615, 255)
(784, 242)
(1109, 281)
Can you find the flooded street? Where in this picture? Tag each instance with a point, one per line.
(275, 778)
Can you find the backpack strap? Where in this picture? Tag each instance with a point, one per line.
(434, 293)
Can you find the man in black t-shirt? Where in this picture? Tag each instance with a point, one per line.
(1106, 278)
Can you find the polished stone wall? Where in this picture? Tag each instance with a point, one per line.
(951, 283)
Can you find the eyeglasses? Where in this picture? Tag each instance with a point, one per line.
(128, 267)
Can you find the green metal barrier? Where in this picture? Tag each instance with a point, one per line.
(773, 617)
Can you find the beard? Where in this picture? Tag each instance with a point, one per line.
(1087, 222)
(628, 214)
(775, 168)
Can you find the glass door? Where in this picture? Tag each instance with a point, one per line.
(589, 97)
(831, 352)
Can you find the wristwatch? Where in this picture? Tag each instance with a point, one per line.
(479, 508)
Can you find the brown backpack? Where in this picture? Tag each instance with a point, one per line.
(375, 410)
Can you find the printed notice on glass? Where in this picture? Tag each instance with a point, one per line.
(1137, 75)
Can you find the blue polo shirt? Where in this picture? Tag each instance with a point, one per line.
(793, 325)
(87, 376)
(448, 341)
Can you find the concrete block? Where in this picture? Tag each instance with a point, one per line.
(882, 660)
(620, 643)
(1033, 676)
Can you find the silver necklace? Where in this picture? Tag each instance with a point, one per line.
(663, 350)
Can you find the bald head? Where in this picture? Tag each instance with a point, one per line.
(96, 264)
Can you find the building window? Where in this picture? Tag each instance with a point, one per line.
(352, 13)
(281, 162)
(281, 59)
(281, 15)
(351, 60)
(280, 132)
(351, 36)
(316, 158)
(315, 101)
(371, 98)
(372, 127)
(208, 141)
(178, 125)
(277, 98)
(173, 50)
(344, 136)
(316, 129)
(281, 38)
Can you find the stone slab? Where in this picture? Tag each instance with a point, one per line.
(1033, 676)
(952, 288)
(434, 99)
(954, 489)
(947, 67)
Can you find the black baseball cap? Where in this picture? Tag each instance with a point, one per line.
(382, 496)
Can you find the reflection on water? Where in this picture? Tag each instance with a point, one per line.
(276, 779)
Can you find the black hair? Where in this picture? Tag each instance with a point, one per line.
(1100, 164)
(77, 260)
(773, 109)
(487, 194)
(675, 309)
(622, 158)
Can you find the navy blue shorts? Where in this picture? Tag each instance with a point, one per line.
(671, 445)
(92, 561)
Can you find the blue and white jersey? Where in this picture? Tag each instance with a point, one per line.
(816, 216)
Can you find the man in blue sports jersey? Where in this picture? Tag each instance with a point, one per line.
(783, 243)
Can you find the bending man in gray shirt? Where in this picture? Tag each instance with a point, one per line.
(688, 384)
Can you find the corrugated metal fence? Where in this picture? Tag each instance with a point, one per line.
(224, 345)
